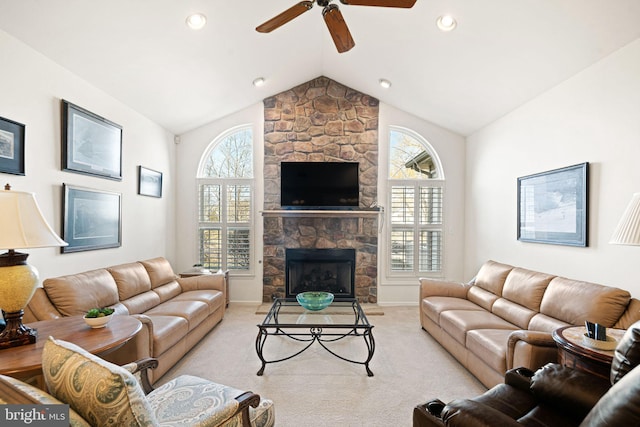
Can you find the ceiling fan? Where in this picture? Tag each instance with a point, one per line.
(332, 17)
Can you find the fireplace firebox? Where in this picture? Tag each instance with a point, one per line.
(329, 270)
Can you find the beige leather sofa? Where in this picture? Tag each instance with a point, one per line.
(175, 312)
(504, 317)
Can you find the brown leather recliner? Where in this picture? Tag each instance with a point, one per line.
(552, 396)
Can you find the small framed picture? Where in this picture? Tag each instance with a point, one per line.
(149, 182)
(11, 147)
(553, 206)
(91, 219)
(91, 144)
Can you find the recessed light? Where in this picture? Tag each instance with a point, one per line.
(258, 82)
(446, 23)
(196, 21)
(385, 83)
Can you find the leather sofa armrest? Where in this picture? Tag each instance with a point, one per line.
(469, 413)
(205, 281)
(147, 324)
(40, 308)
(568, 390)
(444, 288)
(532, 338)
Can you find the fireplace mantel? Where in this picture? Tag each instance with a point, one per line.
(309, 213)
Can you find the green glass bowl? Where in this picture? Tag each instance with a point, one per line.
(314, 301)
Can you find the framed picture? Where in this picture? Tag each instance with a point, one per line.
(553, 205)
(149, 182)
(11, 147)
(90, 144)
(91, 219)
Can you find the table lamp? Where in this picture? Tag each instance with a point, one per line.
(628, 230)
(22, 227)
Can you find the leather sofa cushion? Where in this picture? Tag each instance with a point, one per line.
(195, 312)
(482, 297)
(458, 322)
(574, 302)
(567, 390)
(513, 313)
(627, 353)
(168, 290)
(159, 270)
(167, 331)
(434, 306)
(492, 276)
(490, 345)
(141, 303)
(620, 406)
(213, 299)
(76, 294)
(132, 279)
(629, 316)
(526, 287)
(544, 323)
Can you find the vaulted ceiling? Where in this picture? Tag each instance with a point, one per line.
(502, 53)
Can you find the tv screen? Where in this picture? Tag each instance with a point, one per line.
(319, 184)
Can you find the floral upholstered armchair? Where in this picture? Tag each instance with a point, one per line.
(100, 393)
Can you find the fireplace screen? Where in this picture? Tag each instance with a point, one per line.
(330, 270)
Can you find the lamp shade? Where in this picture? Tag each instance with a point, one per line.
(628, 230)
(22, 225)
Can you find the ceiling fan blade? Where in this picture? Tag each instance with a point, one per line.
(381, 3)
(286, 16)
(338, 28)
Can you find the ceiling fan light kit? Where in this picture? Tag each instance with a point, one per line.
(196, 21)
(332, 17)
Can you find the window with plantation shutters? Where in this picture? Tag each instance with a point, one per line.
(416, 193)
(225, 202)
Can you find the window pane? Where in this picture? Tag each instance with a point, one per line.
(238, 203)
(402, 205)
(408, 158)
(402, 250)
(430, 250)
(238, 249)
(211, 248)
(430, 205)
(232, 157)
(210, 201)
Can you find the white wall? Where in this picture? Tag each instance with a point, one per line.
(450, 148)
(31, 87)
(592, 117)
(190, 150)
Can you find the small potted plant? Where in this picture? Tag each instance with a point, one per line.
(98, 317)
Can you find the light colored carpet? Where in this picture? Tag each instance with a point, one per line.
(318, 389)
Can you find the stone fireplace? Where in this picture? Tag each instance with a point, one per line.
(321, 121)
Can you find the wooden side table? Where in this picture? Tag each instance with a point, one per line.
(25, 362)
(573, 353)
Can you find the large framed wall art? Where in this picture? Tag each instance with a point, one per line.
(11, 147)
(90, 144)
(553, 206)
(92, 219)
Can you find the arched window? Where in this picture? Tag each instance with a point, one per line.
(225, 200)
(416, 191)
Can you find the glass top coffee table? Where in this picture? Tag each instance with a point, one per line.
(344, 318)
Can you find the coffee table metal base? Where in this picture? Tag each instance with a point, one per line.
(311, 333)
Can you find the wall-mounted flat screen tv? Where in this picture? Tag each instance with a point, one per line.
(309, 185)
